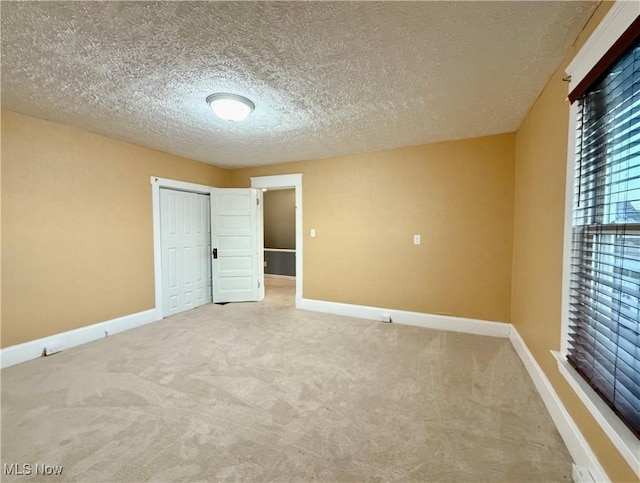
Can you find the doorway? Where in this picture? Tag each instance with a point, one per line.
(279, 218)
(280, 182)
(255, 253)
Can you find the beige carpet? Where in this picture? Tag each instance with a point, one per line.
(263, 392)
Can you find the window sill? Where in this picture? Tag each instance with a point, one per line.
(622, 438)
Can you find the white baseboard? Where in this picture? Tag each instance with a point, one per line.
(430, 321)
(33, 349)
(619, 434)
(275, 275)
(587, 468)
(581, 475)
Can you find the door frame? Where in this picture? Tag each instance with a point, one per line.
(284, 181)
(156, 184)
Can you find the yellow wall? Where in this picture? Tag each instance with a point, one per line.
(279, 211)
(0, 233)
(77, 238)
(457, 195)
(538, 241)
(77, 233)
(77, 230)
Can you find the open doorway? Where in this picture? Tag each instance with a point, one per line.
(276, 183)
(279, 222)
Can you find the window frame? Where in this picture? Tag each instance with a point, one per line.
(611, 28)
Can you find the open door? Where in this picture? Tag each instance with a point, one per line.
(234, 244)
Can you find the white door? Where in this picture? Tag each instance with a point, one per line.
(185, 237)
(234, 243)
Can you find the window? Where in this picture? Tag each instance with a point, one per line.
(600, 344)
(604, 294)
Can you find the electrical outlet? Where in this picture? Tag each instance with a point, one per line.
(416, 239)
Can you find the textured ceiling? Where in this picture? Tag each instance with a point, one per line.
(327, 78)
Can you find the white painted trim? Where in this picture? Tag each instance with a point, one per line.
(612, 26)
(577, 445)
(33, 349)
(568, 228)
(180, 185)
(283, 250)
(288, 181)
(621, 437)
(156, 184)
(275, 275)
(587, 467)
(260, 220)
(580, 474)
(277, 181)
(430, 321)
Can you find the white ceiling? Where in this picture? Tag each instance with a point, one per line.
(327, 78)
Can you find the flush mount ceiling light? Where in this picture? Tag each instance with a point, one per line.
(230, 107)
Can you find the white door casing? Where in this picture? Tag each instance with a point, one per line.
(260, 228)
(293, 181)
(185, 244)
(234, 244)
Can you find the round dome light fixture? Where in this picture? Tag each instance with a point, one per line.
(230, 107)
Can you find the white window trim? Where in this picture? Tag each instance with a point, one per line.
(620, 436)
(614, 24)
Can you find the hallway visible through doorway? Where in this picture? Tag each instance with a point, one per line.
(279, 214)
(276, 183)
(279, 292)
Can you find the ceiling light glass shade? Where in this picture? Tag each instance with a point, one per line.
(230, 107)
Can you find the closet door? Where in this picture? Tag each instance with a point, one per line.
(185, 229)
